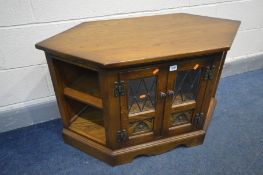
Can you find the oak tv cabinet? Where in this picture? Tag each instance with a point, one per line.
(138, 86)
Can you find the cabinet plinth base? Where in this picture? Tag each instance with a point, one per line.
(126, 155)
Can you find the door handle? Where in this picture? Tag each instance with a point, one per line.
(163, 95)
(170, 93)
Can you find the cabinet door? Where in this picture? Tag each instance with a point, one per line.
(141, 106)
(185, 92)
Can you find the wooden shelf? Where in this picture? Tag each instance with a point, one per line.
(85, 89)
(89, 123)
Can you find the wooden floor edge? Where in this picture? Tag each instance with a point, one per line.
(126, 155)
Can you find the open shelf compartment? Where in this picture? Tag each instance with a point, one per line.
(85, 89)
(87, 121)
(80, 83)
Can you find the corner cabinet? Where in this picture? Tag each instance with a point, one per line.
(138, 86)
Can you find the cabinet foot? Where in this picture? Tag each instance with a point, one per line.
(197, 142)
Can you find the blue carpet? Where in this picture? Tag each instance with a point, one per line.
(233, 144)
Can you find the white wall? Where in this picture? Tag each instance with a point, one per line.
(24, 77)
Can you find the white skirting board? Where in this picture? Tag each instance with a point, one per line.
(246, 64)
(45, 111)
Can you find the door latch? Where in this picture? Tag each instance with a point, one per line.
(163, 95)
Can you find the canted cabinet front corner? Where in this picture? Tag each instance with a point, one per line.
(127, 87)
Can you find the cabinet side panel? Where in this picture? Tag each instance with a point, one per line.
(212, 84)
(58, 88)
(111, 107)
(218, 74)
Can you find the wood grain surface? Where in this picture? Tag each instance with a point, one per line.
(115, 43)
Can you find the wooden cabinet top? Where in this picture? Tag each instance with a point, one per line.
(124, 42)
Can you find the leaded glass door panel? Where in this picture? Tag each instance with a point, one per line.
(141, 106)
(185, 92)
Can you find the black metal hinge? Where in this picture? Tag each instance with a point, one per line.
(119, 88)
(210, 71)
(198, 120)
(122, 136)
